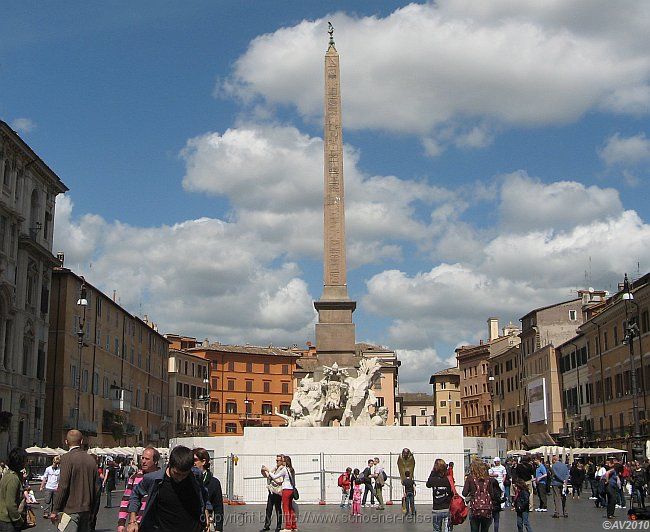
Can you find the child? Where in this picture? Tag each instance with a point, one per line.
(345, 484)
(521, 502)
(409, 493)
(356, 497)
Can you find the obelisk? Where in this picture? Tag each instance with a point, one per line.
(335, 333)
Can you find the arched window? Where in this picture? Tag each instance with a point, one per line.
(34, 215)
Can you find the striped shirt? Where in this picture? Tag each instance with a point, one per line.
(123, 516)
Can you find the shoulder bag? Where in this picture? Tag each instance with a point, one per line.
(296, 495)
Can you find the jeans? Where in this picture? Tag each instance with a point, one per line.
(344, 497)
(480, 524)
(621, 496)
(109, 498)
(522, 521)
(506, 494)
(638, 495)
(594, 487)
(410, 504)
(542, 496)
(48, 500)
(612, 495)
(273, 501)
(439, 517)
(78, 522)
(369, 489)
(496, 516)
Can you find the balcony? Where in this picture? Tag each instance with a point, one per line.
(250, 418)
(121, 399)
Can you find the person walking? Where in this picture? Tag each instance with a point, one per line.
(148, 464)
(11, 492)
(353, 478)
(287, 475)
(541, 480)
(442, 493)
(366, 475)
(380, 479)
(274, 497)
(559, 481)
(577, 475)
(213, 488)
(77, 491)
(345, 485)
(409, 493)
(590, 473)
(611, 482)
(50, 483)
(482, 491)
(522, 506)
(638, 484)
(176, 499)
(108, 485)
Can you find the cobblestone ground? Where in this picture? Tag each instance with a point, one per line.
(250, 518)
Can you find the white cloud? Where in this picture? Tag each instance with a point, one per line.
(625, 151)
(528, 204)
(23, 125)
(417, 366)
(426, 65)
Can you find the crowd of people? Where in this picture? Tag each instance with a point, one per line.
(183, 495)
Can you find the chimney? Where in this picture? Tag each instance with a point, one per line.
(493, 329)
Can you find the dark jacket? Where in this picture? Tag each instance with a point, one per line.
(525, 471)
(149, 485)
(76, 492)
(442, 493)
(215, 499)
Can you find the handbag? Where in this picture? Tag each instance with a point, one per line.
(30, 518)
(296, 495)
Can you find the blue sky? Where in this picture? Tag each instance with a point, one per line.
(496, 158)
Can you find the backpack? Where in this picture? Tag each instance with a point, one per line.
(482, 505)
(341, 480)
(384, 475)
(458, 510)
(522, 501)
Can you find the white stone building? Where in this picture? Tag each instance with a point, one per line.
(28, 190)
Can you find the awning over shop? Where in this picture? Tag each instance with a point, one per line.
(529, 441)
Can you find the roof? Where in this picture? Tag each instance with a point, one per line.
(449, 371)
(36, 159)
(247, 350)
(417, 398)
(548, 307)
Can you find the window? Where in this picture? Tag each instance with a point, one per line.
(214, 407)
(443, 403)
(267, 409)
(573, 315)
(249, 367)
(215, 383)
(285, 387)
(615, 335)
(267, 367)
(457, 419)
(179, 389)
(285, 369)
(423, 412)
(231, 385)
(231, 428)
(249, 386)
(443, 420)
(231, 366)
(231, 407)
(249, 406)
(457, 404)
(284, 410)
(73, 375)
(267, 386)
(380, 401)
(95, 383)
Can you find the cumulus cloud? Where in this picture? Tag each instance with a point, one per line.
(625, 151)
(528, 204)
(23, 125)
(418, 365)
(435, 64)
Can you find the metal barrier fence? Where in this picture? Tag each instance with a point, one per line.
(317, 475)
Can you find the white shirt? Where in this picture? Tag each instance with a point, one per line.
(601, 472)
(51, 477)
(282, 473)
(499, 473)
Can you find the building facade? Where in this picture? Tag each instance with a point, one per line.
(247, 385)
(446, 397)
(476, 401)
(27, 204)
(114, 386)
(188, 393)
(418, 409)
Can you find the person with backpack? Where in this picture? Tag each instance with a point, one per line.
(442, 493)
(482, 491)
(522, 506)
(380, 479)
(345, 483)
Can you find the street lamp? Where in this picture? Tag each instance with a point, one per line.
(206, 401)
(632, 331)
(83, 303)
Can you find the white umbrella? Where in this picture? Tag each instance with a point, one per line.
(60, 451)
(97, 450)
(49, 451)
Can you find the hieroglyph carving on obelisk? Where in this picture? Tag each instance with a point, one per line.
(334, 204)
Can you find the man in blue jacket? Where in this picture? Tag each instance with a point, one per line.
(176, 499)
